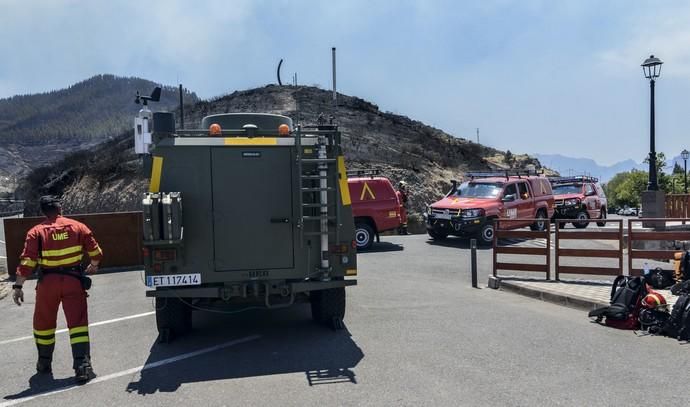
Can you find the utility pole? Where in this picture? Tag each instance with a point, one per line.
(477, 135)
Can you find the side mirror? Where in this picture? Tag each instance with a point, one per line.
(509, 198)
(590, 193)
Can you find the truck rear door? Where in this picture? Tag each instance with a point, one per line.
(252, 208)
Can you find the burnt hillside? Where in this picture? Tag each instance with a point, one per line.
(109, 177)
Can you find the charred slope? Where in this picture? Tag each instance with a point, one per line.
(39, 129)
(108, 177)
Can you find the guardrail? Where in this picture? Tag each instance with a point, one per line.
(581, 234)
(653, 235)
(521, 234)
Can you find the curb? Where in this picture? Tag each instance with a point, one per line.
(572, 301)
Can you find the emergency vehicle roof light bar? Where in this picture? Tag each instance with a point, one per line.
(363, 173)
(506, 174)
(577, 178)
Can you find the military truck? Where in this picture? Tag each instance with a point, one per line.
(267, 219)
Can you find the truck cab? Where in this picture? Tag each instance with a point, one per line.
(375, 206)
(267, 218)
(470, 208)
(579, 198)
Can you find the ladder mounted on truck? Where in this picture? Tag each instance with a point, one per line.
(319, 186)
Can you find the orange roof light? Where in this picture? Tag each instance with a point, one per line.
(214, 129)
(283, 130)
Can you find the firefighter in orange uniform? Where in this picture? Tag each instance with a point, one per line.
(401, 193)
(57, 245)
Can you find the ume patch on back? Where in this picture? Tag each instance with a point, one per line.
(60, 235)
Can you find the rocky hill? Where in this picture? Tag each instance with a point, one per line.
(39, 129)
(108, 177)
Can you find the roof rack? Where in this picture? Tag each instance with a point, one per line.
(507, 174)
(363, 173)
(577, 178)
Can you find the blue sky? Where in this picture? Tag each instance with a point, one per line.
(534, 76)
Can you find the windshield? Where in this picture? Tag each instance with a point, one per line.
(478, 190)
(567, 189)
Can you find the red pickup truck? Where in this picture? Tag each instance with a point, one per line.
(470, 208)
(375, 207)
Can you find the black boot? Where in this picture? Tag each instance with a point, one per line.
(84, 372)
(44, 365)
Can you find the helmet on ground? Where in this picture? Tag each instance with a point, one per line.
(653, 300)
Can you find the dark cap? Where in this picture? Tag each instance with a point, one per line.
(49, 202)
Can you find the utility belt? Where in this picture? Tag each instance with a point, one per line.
(74, 271)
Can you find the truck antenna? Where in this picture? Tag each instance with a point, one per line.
(335, 94)
(181, 109)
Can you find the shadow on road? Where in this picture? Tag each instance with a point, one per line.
(289, 343)
(382, 247)
(457, 242)
(42, 383)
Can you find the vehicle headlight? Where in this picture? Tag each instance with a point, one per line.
(429, 210)
(572, 202)
(472, 213)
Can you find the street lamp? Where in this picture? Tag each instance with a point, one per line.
(685, 154)
(652, 69)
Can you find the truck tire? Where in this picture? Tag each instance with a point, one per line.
(581, 215)
(328, 307)
(173, 318)
(436, 235)
(486, 234)
(540, 221)
(602, 215)
(364, 236)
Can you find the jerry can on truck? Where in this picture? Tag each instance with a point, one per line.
(248, 211)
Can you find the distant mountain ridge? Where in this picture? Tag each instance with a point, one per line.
(586, 166)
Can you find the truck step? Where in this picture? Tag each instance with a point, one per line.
(318, 217)
(317, 160)
(317, 189)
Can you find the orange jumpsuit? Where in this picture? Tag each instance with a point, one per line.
(57, 245)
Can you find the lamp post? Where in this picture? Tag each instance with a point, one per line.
(685, 154)
(652, 69)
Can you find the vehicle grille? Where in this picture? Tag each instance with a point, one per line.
(451, 212)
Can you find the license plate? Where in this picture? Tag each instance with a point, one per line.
(443, 216)
(173, 280)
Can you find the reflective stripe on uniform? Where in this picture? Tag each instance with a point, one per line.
(62, 262)
(28, 262)
(78, 339)
(61, 252)
(78, 329)
(97, 251)
(45, 341)
(79, 334)
(44, 332)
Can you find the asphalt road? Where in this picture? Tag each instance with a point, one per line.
(417, 334)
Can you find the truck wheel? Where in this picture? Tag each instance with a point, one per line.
(328, 307)
(486, 234)
(436, 235)
(540, 221)
(581, 215)
(173, 318)
(602, 216)
(364, 236)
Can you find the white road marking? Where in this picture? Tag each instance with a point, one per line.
(110, 321)
(134, 370)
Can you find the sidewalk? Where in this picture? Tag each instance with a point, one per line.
(583, 294)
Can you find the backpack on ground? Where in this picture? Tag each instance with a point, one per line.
(685, 266)
(660, 279)
(681, 317)
(626, 296)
